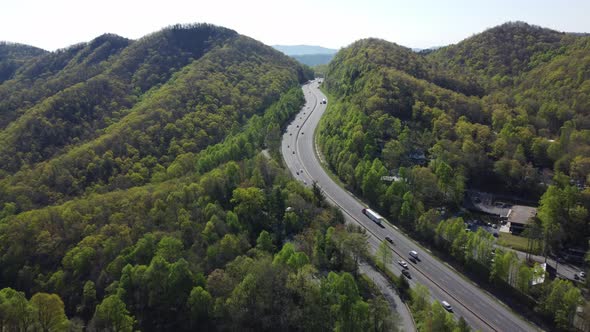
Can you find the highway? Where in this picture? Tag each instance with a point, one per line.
(480, 310)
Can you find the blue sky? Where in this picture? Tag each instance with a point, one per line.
(414, 23)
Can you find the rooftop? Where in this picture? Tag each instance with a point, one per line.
(521, 214)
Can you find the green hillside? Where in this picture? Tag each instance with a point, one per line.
(502, 111)
(134, 194)
(13, 56)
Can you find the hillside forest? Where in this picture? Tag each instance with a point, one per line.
(506, 111)
(134, 194)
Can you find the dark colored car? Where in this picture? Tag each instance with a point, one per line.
(388, 239)
(406, 274)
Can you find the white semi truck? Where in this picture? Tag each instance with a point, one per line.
(376, 217)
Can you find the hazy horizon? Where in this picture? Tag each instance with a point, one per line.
(331, 24)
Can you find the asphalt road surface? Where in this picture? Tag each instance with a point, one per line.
(480, 310)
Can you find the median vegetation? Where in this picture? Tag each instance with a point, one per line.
(428, 315)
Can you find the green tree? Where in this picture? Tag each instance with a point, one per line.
(384, 253)
(49, 312)
(350, 311)
(420, 298)
(560, 302)
(318, 195)
(264, 242)
(392, 154)
(112, 315)
(441, 320)
(356, 245)
(88, 299)
(170, 248)
(199, 304)
(380, 315)
(462, 325)
(248, 205)
(16, 313)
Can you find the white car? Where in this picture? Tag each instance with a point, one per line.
(447, 306)
(403, 263)
(414, 254)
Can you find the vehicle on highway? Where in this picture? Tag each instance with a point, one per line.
(582, 274)
(376, 217)
(447, 306)
(323, 101)
(406, 274)
(413, 260)
(388, 239)
(414, 254)
(402, 263)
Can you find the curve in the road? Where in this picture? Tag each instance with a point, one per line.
(477, 307)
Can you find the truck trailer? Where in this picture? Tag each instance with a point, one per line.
(378, 219)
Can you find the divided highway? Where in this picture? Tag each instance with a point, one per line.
(480, 310)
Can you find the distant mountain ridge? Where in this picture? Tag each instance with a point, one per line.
(308, 54)
(304, 49)
(314, 59)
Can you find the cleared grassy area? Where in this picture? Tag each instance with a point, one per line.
(513, 241)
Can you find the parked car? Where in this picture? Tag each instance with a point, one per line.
(403, 263)
(447, 306)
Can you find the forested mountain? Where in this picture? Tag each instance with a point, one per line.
(54, 148)
(134, 194)
(501, 111)
(13, 56)
(505, 50)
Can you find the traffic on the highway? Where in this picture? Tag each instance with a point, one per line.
(457, 294)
